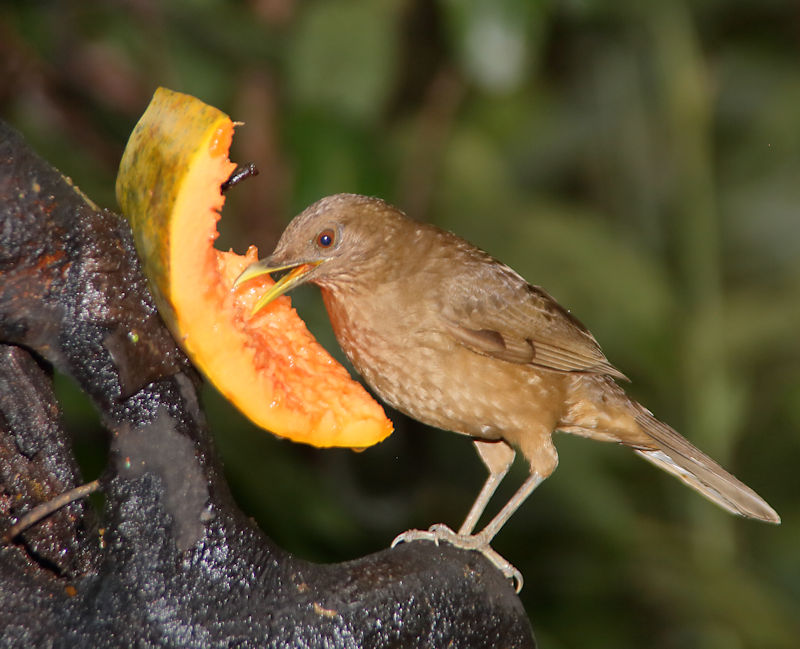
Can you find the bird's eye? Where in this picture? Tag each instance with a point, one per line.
(325, 238)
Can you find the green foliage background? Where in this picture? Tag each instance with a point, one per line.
(640, 160)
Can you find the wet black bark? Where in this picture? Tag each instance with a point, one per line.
(172, 562)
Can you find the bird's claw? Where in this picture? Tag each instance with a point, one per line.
(431, 534)
(503, 565)
(440, 532)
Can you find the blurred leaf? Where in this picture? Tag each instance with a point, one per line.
(343, 56)
(760, 163)
(332, 155)
(475, 186)
(496, 39)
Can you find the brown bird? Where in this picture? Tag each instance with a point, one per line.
(455, 339)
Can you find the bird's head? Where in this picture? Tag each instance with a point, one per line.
(331, 243)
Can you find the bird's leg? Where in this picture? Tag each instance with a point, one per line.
(498, 458)
(481, 541)
(526, 489)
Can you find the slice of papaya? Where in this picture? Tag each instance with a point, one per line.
(268, 365)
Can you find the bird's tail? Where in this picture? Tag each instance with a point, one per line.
(675, 454)
(603, 411)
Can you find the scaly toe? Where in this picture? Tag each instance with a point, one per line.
(441, 532)
(463, 541)
(436, 533)
(502, 564)
(415, 535)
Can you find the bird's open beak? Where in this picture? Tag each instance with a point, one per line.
(298, 271)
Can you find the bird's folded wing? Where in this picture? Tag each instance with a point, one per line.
(523, 324)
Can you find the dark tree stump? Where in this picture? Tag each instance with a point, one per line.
(177, 564)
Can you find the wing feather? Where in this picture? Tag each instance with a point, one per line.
(520, 323)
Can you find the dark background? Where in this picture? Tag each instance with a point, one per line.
(639, 160)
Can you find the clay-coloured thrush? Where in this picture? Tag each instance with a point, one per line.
(455, 339)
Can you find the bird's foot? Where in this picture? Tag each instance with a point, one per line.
(440, 532)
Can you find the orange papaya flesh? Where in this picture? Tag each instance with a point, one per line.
(268, 364)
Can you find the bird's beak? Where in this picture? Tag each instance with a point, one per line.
(298, 271)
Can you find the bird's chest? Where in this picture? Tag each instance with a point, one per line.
(380, 339)
(417, 368)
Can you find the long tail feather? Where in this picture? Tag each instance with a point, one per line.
(676, 455)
